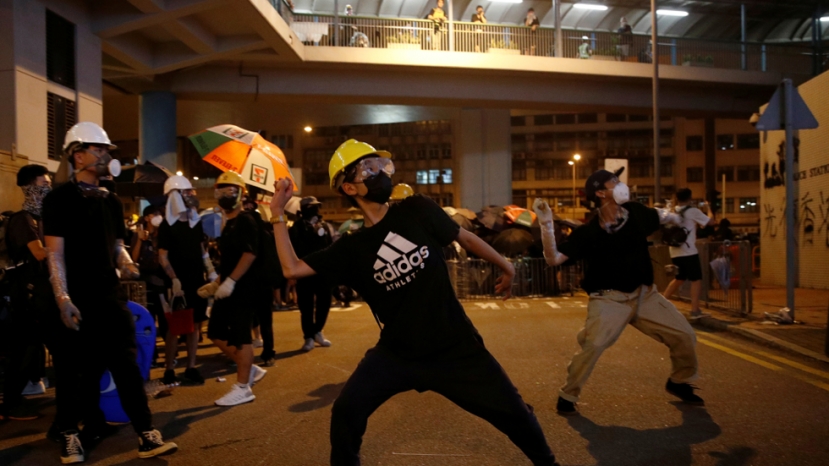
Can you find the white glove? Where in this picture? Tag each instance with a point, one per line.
(208, 290)
(225, 289)
(70, 315)
(177, 287)
(212, 276)
(543, 211)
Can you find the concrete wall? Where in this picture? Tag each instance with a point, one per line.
(812, 198)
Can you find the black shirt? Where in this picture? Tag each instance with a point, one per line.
(24, 227)
(184, 251)
(306, 238)
(240, 235)
(397, 266)
(618, 261)
(89, 227)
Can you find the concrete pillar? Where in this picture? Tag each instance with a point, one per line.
(157, 129)
(484, 158)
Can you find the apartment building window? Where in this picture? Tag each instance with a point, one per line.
(588, 141)
(519, 142)
(748, 205)
(519, 170)
(543, 141)
(727, 171)
(565, 141)
(615, 117)
(61, 115)
(641, 168)
(641, 139)
(748, 173)
(748, 141)
(693, 143)
(446, 151)
(666, 166)
(434, 176)
(566, 119)
(639, 118)
(544, 170)
(666, 138)
(588, 118)
(616, 140)
(60, 50)
(725, 142)
(543, 120)
(729, 205)
(519, 198)
(518, 121)
(694, 174)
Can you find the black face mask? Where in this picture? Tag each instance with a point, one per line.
(310, 213)
(227, 203)
(379, 188)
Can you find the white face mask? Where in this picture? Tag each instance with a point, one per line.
(156, 220)
(621, 193)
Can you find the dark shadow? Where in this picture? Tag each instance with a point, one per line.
(173, 424)
(618, 445)
(325, 396)
(16, 454)
(288, 354)
(157, 461)
(735, 456)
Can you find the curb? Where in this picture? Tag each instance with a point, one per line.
(756, 335)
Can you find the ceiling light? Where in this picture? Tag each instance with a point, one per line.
(308, 129)
(195, 178)
(179, 173)
(590, 6)
(824, 19)
(505, 1)
(671, 13)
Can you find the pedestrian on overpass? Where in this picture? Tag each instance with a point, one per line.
(427, 342)
(619, 280)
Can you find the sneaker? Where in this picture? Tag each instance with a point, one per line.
(698, 315)
(258, 343)
(566, 408)
(309, 344)
(193, 376)
(71, 451)
(237, 395)
(38, 388)
(684, 391)
(169, 377)
(268, 362)
(151, 444)
(319, 338)
(256, 374)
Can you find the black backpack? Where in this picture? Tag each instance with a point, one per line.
(675, 235)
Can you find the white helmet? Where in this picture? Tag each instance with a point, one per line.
(86, 132)
(176, 182)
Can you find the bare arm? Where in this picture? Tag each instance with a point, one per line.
(292, 266)
(164, 260)
(37, 249)
(478, 247)
(242, 266)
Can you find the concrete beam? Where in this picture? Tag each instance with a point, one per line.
(111, 25)
(227, 48)
(131, 51)
(265, 20)
(193, 34)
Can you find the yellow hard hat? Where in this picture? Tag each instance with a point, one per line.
(349, 152)
(401, 191)
(231, 178)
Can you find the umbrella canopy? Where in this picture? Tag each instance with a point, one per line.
(462, 221)
(512, 241)
(466, 213)
(231, 148)
(492, 217)
(519, 215)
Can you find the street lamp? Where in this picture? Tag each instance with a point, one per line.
(573, 162)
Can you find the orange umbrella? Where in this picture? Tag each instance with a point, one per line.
(520, 215)
(231, 148)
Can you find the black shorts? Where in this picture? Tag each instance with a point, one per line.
(689, 268)
(231, 319)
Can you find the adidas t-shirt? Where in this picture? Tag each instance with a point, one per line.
(397, 266)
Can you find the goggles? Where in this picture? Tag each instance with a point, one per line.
(370, 167)
(226, 191)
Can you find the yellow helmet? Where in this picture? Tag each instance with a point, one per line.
(401, 191)
(349, 152)
(231, 178)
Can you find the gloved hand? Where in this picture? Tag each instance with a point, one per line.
(70, 315)
(225, 289)
(177, 287)
(208, 290)
(212, 276)
(545, 214)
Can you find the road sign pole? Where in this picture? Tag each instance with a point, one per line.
(788, 99)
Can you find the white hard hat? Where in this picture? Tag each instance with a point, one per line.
(86, 132)
(176, 182)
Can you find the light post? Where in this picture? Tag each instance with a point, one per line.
(573, 162)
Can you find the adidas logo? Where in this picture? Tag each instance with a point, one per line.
(398, 261)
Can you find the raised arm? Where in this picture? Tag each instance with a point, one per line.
(478, 247)
(548, 234)
(292, 266)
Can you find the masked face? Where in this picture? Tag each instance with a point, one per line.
(621, 193)
(156, 220)
(229, 197)
(379, 188)
(191, 200)
(34, 195)
(103, 163)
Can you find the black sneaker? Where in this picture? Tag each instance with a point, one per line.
(566, 408)
(170, 377)
(151, 444)
(193, 376)
(684, 391)
(71, 451)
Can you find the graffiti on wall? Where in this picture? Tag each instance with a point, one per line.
(811, 218)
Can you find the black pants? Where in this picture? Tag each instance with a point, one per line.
(107, 337)
(472, 380)
(264, 314)
(313, 294)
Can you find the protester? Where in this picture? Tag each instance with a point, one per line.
(427, 342)
(399, 192)
(686, 256)
(310, 234)
(238, 291)
(724, 232)
(619, 280)
(84, 231)
(145, 256)
(186, 263)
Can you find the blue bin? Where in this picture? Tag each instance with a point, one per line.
(145, 339)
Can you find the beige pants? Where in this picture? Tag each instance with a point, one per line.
(651, 314)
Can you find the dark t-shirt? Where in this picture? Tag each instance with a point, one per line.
(397, 266)
(89, 227)
(240, 235)
(24, 227)
(306, 238)
(618, 261)
(184, 251)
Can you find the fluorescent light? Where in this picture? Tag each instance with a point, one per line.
(589, 6)
(505, 1)
(824, 19)
(671, 13)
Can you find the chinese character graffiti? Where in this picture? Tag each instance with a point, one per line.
(823, 210)
(771, 228)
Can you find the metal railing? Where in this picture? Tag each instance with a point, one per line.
(421, 34)
(475, 278)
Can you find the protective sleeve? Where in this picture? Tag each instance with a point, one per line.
(548, 239)
(125, 264)
(57, 276)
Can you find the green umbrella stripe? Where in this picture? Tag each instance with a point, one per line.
(208, 141)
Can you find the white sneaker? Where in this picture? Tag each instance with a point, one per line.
(256, 374)
(38, 388)
(320, 338)
(237, 395)
(258, 343)
(309, 344)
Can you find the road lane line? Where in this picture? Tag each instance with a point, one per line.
(797, 365)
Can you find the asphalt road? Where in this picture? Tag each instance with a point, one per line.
(763, 406)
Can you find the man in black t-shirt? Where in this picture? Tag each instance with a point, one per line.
(84, 230)
(427, 342)
(619, 280)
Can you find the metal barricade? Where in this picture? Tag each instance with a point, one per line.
(476, 278)
(136, 291)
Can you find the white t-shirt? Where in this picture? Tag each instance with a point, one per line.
(691, 218)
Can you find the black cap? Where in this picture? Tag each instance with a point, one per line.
(308, 201)
(597, 180)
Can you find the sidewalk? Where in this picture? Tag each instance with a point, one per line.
(807, 336)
